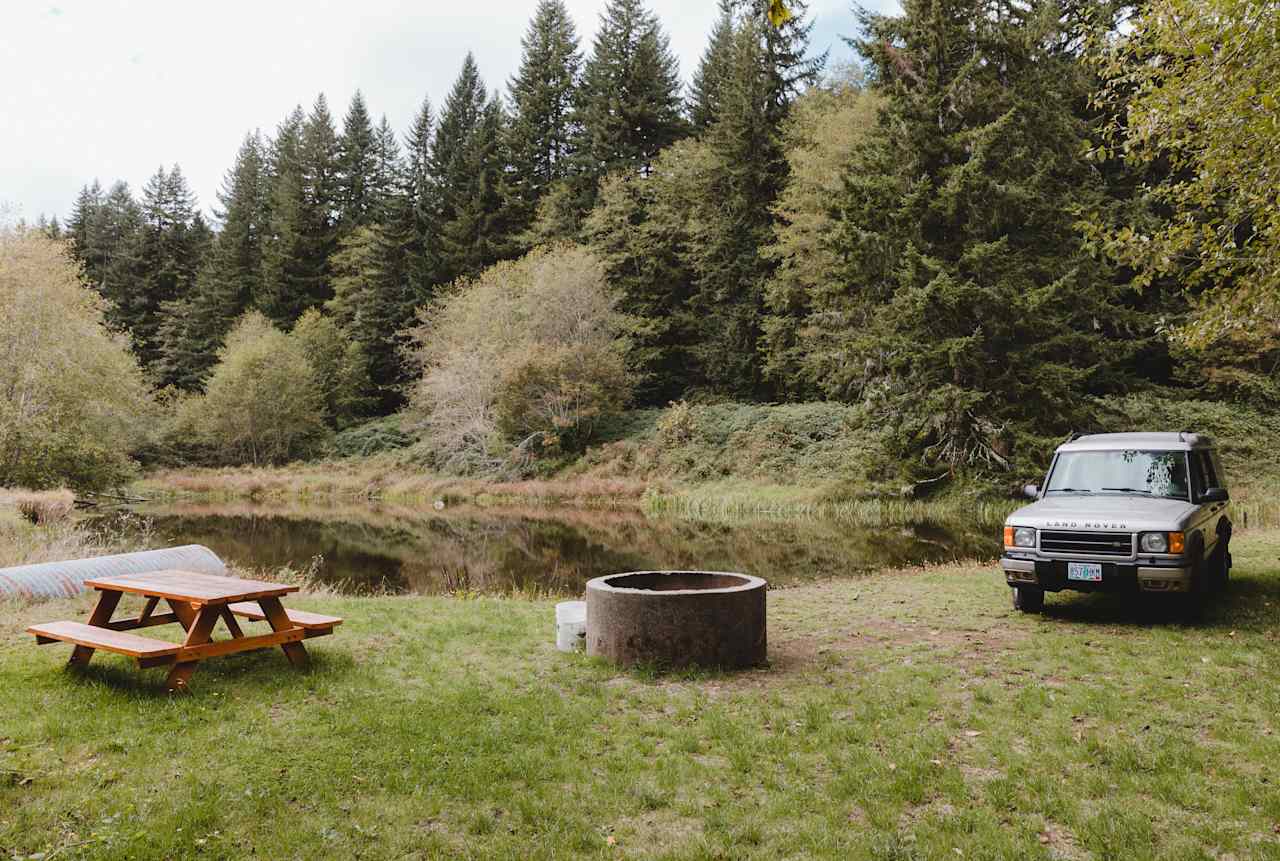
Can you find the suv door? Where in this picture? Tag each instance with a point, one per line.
(1203, 477)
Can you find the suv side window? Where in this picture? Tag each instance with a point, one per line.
(1215, 462)
(1201, 475)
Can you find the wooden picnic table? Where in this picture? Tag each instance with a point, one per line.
(196, 602)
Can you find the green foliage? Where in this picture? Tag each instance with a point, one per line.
(970, 314)
(72, 400)
(467, 169)
(522, 359)
(1193, 88)
(819, 138)
(706, 87)
(340, 367)
(540, 134)
(370, 438)
(263, 403)
(629, 105)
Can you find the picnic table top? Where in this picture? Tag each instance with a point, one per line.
(191, 587)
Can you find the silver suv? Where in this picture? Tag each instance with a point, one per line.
(1123, 512)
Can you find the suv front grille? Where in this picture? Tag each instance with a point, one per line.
(1087, 543)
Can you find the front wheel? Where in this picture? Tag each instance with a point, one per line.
(1028, 599)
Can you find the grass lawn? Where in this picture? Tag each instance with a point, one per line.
(906, 715)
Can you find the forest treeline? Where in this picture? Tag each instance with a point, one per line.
(1004, 215)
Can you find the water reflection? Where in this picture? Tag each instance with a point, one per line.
(402, 549)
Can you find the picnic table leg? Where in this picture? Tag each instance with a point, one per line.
(101, 615)
(199, 633)
(185, 612)
(279, 621)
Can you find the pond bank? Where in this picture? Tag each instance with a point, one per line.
(909, 714)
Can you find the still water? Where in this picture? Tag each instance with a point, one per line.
(371, 547)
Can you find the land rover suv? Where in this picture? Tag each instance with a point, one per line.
(1123, 512)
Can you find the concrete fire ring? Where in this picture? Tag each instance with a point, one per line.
(713, 619)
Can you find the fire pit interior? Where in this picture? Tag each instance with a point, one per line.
(678, 618)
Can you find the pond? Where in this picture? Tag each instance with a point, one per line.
(386, 548)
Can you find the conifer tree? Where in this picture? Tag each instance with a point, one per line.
(969, 315)
(706, 88)
(629, 104)
(230, 279)
(468, 169)
(304, 200)
(357, 166)
(542, 98)
(734, 220)
(418, 218)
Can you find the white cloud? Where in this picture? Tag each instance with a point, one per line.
(112, 89)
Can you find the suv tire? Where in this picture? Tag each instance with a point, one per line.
(1220, 566)
(1028, 599)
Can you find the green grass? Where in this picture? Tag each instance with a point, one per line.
(906, 715)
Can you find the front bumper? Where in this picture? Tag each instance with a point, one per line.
(1051, 575)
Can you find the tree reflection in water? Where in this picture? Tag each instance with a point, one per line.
(401, 549)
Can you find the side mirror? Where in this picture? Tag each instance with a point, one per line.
(1030, 491)
(1215, 494)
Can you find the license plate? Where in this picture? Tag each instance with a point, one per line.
(1088, 571)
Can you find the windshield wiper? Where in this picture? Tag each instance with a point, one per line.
(1129, 490)
(1067, 490)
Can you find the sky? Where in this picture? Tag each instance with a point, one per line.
(113, 89)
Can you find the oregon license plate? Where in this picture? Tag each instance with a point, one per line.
(1090, 572)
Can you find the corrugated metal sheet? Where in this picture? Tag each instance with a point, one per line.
(64, 579)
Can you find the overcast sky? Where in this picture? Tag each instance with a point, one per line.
(112, 89)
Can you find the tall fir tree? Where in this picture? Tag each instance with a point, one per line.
(172, 245)
(419, 217)
(789, 67)
(468, 168)
(970, 316)
(734, 220)
(231, 277)
(357, 166)
(542, 96)
(629, 105)
(304, 202)
(707, 87)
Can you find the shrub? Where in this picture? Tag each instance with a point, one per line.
(263, 404)
(340, 365)
(72, 399)
(45, 508)
(524, 359)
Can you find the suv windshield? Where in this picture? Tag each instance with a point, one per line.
(1145, 473)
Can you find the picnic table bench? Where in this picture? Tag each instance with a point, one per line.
(197, 602)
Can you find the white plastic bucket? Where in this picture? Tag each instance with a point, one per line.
(571, 625)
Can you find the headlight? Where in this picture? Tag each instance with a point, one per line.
(1155, 542)
(1019, 536)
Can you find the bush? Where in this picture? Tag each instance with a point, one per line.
(340, 366)
(45, 508)
(72, 399)
(523, 360)
(373, 437)
(262, 405)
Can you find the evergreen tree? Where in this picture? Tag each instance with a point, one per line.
(173, 242)
(231, 278)
(639, 231)
(705, 90)
(970, 316)
(83, 230)
(357, 166)
(388, 180)
(118, 273)
(785, 58)
(542, 94)
(629, 102)
(418, 217)
(734, 221)
(468, 168)
(282, 263)
(304, 204)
